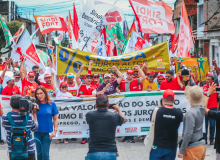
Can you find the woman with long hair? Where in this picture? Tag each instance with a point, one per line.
(47, 128)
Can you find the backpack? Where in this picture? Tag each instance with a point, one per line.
(19, 138)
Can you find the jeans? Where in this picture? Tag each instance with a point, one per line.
(211, 126)
(163, 154)
(42, 152)
(101, 156)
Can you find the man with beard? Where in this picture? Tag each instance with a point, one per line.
(96, 77)
(11, 88)
(29, 82)
(149, 84)
(72, 85)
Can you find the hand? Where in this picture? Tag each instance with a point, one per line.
(141, 64)
(52, 74)
(41, 71)
(49, 62)
(90, 62)
(118, 91)
(136, 67)
(178, 61)
(180, 155)
(195, 66)
(212, 68)
(82, 67)
(145, 64)
(52, 135)
(158, 89)
(81, 96)
(214, 61)
(108, 85)
(114, 68)
(35, 109)
(149, 90)
(212, 88)
(116, 107)
(1, 112)
(25, 88)
(179, 74)
(8, 62)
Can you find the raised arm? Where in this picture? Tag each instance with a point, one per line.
(22, 69)
(142, 75)
(53, 82)
(117, 109)
(196, 73)
(216, 67)
(120, 76)
(179, 82)
(179, 62)
(211, 90)
(78, 81)
(90, 67)
(5, 69)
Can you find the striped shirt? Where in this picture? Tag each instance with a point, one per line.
(18, 119)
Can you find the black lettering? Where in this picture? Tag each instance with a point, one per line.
(147, 103)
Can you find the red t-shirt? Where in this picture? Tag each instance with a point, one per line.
(1, 67)
(30, 86)
(1, 81)
(173, 85)
(10, 91)
(212, 103)
(96, 85)
(49, 89)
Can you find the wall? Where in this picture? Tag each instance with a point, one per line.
(213, 6)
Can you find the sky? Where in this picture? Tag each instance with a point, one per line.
(27, 8)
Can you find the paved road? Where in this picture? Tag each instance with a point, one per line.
(76, 151)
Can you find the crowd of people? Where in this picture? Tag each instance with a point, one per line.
(45, 85)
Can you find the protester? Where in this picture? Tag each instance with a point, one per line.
(113, 75)
(11, 88)
(160, 79)
(18, 82)
(193, 145)
(4, 71)
(48, 85)
(18, 120)
(96, 77)
(149, 84)
(215, 115)
(45, 132)
(165, 134)
(102, 125)
(16, 65)
(110, 87)
(170, 82)
(1, 65)
(212, 105)
(72, 85)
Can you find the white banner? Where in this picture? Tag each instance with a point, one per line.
(137, 106)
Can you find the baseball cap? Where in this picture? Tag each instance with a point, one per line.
(130, 71)
(209, 73)
(9, 79)
(107, 75)
(168, 94)
(70, 75)
(63, 84)
(47, 75)
(160, 76)
(151, 72)
(95, 74)
(88, 75)
(31, 73)
(17, 74)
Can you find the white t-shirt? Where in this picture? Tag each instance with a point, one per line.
(19, 84)
(60, 94)
(73, 90)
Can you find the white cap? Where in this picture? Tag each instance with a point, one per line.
(47, 75)
(107, 75)
(9, 79)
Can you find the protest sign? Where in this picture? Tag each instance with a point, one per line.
(50, 23)
(137, 107)
(190, 62)
(70, 60)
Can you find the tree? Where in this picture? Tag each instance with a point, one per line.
(13, 27)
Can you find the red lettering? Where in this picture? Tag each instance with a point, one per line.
(160, 21)
(144, 19)
(47, 24)
(150, 21)
(153, 13)
(43, 24)
(137, 10)
(148, 12)
(142, 10)
(56, 23)
(158, 14)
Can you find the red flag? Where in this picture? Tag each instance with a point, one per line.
(146, 37)
(172, 36)
(103, 32)
(50, 23)
(185, 34)
(75, 23)
(70, 26)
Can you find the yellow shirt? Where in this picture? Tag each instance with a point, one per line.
(148, 85)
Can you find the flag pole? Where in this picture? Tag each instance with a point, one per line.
(86, 43)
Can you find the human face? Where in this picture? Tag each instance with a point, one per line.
(129, 76)
(169, 77)
(48, 80)
(64, 89)
(160, 80)
(107, 80)
(17, 78)
(16, 64)
(11, 83)
(96, 78)
(113, 77)
(41, 95)
(135, 75)
(0, 61)
(31, 79)
(70, 80)
(88, 80)
(209, 80)
(36, 70)
(151, 78)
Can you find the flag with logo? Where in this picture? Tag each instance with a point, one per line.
(50, 23)
(153, 16)
(28, 51)
(58, 39)
(136, 43)
(18, 33)
(113, 16)
(7, 33)
(185, 34)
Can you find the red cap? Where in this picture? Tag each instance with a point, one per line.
(160, 76)
(87, 75)
(130, 71)
(151, 72)
(209, 73)
(47, 75)
(95, 74)
(63, 84)
(168, 94)
(31, 73)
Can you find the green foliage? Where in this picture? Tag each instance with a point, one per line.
(13, 26)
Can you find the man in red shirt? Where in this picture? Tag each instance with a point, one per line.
(4, 71)
(29, 82)
(212, 105)
(11, 89)
(48, 85)
(96, 76)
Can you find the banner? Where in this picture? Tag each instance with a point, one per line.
(70, 60)
(153, 16)
(137, 107)
(50, 23)
(190, 62)
(18, 33)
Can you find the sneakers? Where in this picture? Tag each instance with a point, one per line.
(128, 140)
(131, 140)
(125, 139)
(211, 142)
(84, 141)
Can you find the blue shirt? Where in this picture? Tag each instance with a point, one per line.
(18, 119)
(158, 85)
(44, 117)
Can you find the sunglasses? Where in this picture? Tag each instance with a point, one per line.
(35, 71)
(64, 87)
(17, 77)
(135, 74)
(161, 79)
(31, 76)
(151, 76)
(96, 77)
(167, 76)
